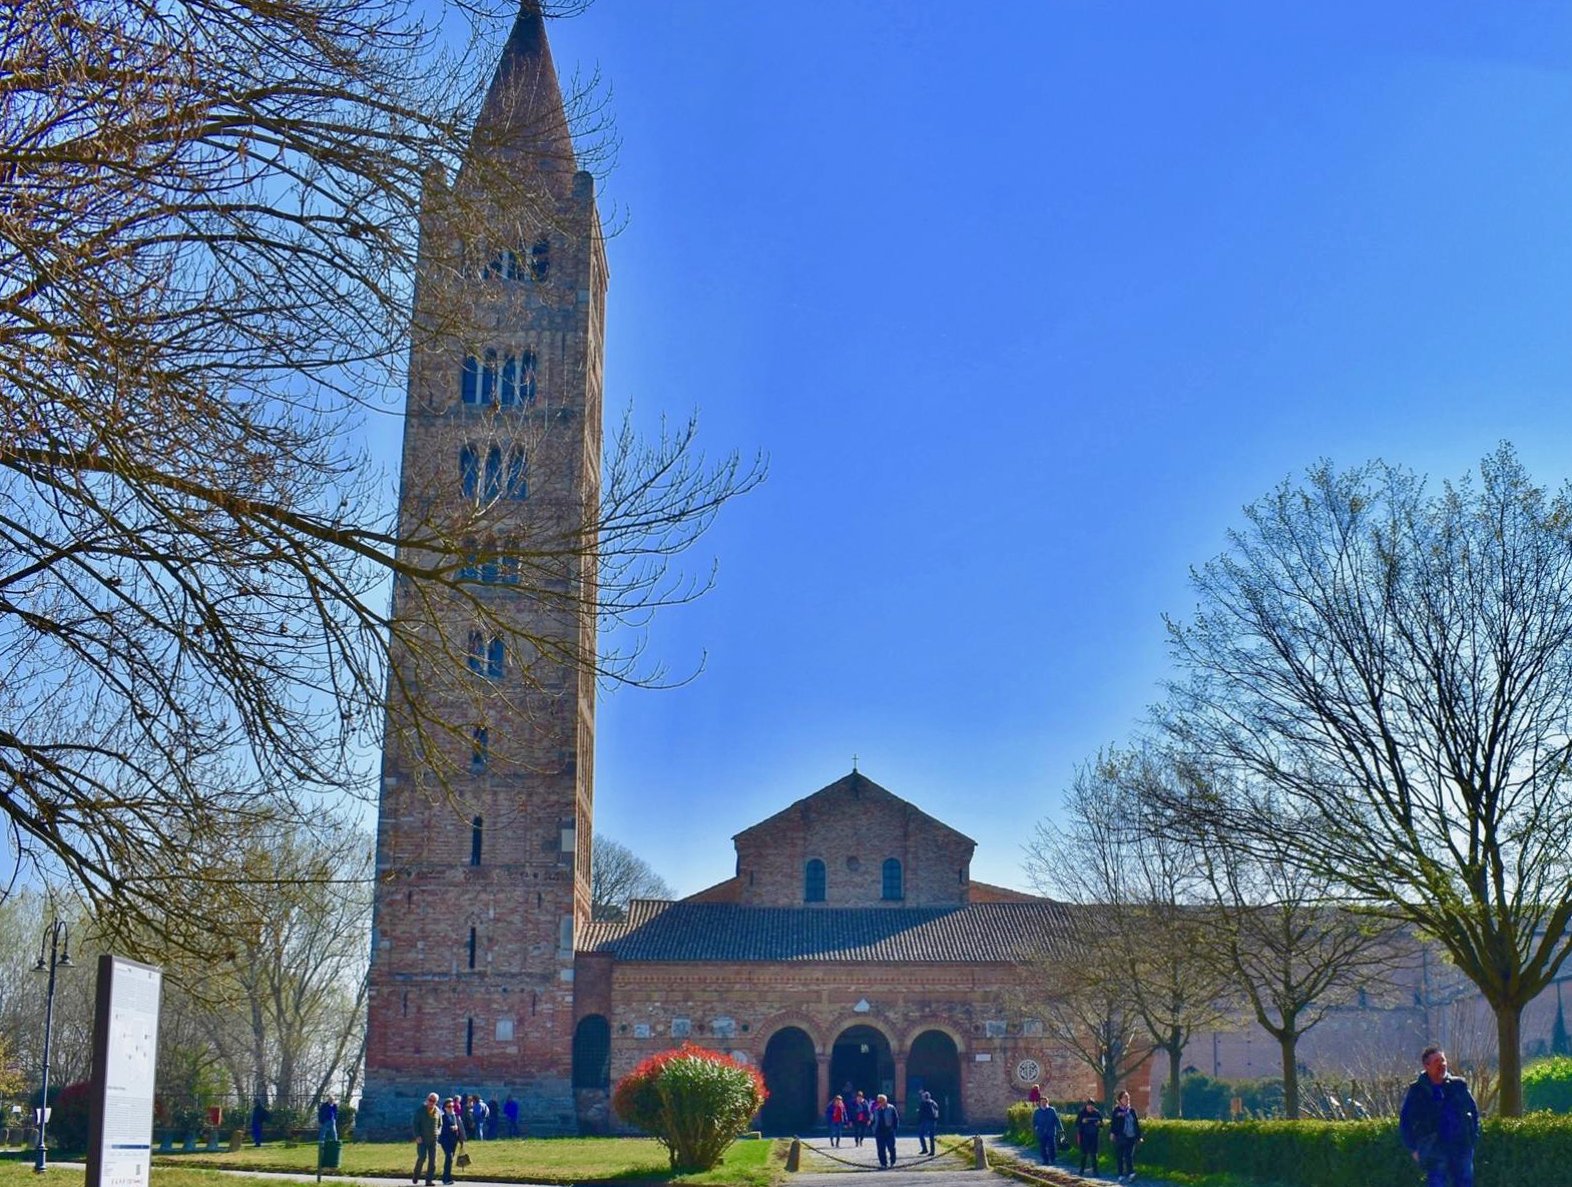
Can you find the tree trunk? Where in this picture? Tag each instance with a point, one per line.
(1288, 1043)
(1173, 1106)
(1509, 1047)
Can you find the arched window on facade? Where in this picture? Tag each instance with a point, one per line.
(813, 881)
(540, 259)
(893, 889)
(469, 471)
(527, 377)
(475, 829)
(476, 652)
(496, 657)
(472, 947)
(479, 760)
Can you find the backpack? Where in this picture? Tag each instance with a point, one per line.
(930, 1109)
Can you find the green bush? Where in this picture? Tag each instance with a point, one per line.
(1018, 1124)
(1338, 1153)
(1547, 1084)
(693, 1101)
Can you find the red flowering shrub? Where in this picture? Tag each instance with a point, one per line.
(693, 1101)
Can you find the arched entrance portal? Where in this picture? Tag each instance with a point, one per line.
(934, 1066)
(862, 1059)
(791, 1071)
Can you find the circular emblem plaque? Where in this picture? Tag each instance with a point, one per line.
(1028, 1071)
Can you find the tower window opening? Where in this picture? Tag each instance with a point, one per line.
(469, 471)
(527, 377)
(496, 658)
(469, 1036)
(472, 947)
(475, 832)
(479, 760)
(488, 378)
(893, 888)
(813, 882)
(493, 483)
(518, 477)
(469, 380)
(540, 259)
(476, 652)
(510, 381)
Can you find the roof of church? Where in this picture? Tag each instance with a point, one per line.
(1000, 932)
(855, 785)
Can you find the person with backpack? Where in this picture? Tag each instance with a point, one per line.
(1125, 1126)
(886, 1120)
(1049, 1130)
(1088, 1122)
(861, 1114)
(927, 1123)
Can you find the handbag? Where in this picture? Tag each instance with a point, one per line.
(462, 1160)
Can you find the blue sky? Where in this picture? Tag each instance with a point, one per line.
(1025, 301)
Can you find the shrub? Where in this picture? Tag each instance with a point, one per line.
(1018, 1124)
(1547, 1084)
(693, 1101)
(68, 1121)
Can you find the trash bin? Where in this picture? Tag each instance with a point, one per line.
(330, 1153)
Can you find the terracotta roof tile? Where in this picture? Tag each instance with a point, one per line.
(997, 932)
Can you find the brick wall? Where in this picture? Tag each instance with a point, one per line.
(738, 1008)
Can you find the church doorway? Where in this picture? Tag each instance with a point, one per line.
(862, 1058)
(791, 1073)
(934, 1066)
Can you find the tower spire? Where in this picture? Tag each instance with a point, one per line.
(522, 120)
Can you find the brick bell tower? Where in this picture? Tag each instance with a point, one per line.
(483, 835)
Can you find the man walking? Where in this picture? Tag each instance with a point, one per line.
(885, 1120)
(1048, 1128)
(426, 1123)
(1440, 1124)
(1088, 1123)
(927, 1123)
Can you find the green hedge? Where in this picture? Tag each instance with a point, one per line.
(1547, 1084)
(1537, 1148)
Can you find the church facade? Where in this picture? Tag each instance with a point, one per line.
(850, 948)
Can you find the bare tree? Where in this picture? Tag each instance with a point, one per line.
(1142, 881)
(1386, 676)
(1295, 951)
(1089, 1011)
(208, 238)
(618, 876)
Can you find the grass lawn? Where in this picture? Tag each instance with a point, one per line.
(529, 1160)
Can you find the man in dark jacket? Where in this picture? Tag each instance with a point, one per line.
(1440, 1124)
(1048, 1128)
(1088, 1122)
(885, 1121)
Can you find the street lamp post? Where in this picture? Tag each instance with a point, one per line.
(56, 942)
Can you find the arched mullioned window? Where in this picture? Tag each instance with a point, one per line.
(491, 378)
(540, 259)
(813, 881)
(469, 471)
(893, 888)
(496, 656)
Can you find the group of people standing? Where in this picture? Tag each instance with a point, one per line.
(1124, 1128)
(447, 1124)
(882, 1118)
